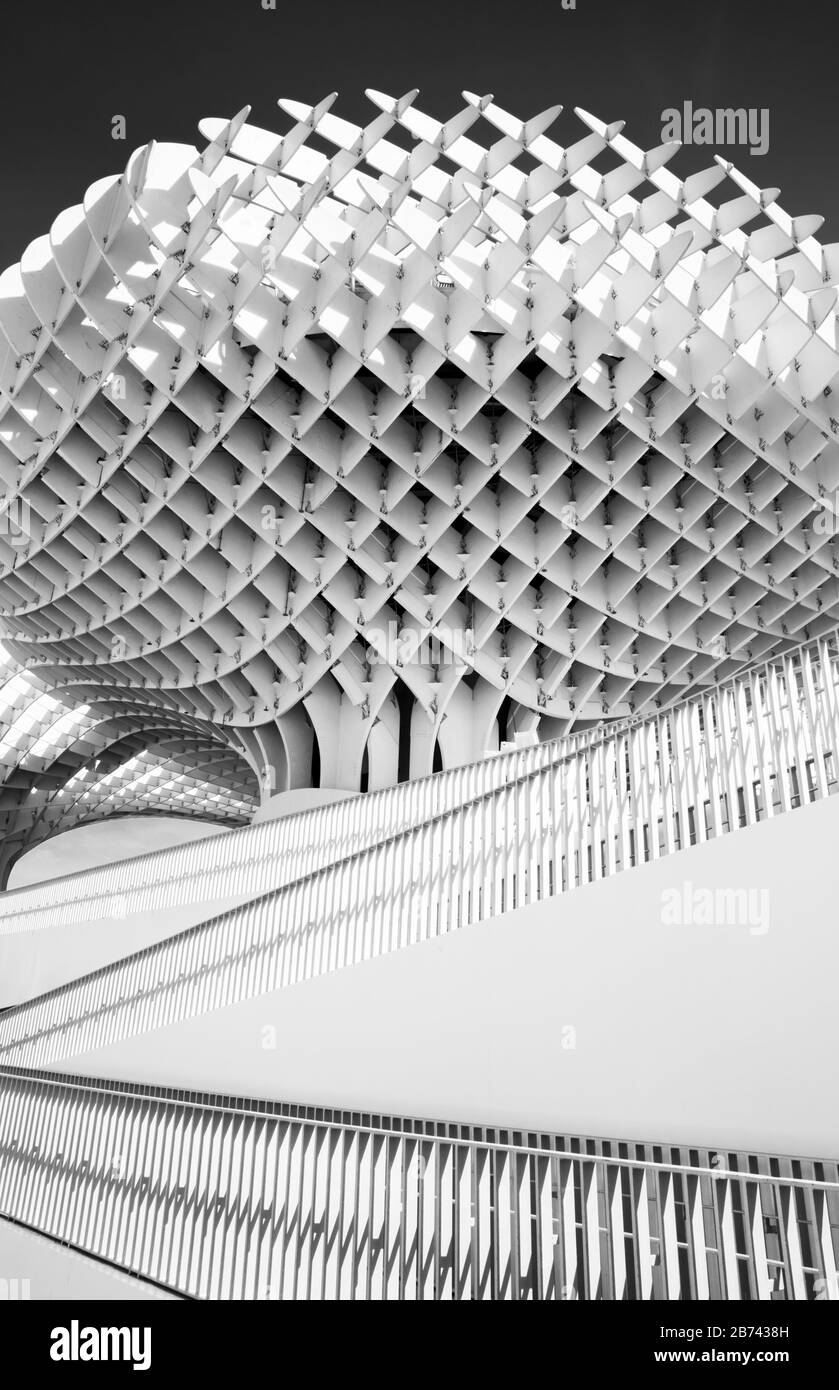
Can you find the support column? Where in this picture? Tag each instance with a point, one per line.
(296, 735)
(273, 769)
(423, 738)
(383, 747)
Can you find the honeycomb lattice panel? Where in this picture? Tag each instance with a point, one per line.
(278, 411)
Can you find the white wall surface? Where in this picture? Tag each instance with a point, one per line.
(103, 842)
(34, 962)
(299, 799)
(54, 1272)
(685, 1034)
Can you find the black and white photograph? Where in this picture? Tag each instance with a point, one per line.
(419, 674)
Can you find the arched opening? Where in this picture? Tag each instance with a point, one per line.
(437, 761)
(314, 773)
(405, 702)
(364, 782)
(503, 719)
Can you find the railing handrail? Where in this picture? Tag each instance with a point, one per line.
(583, 739)
(241, 1105)
(212, 928)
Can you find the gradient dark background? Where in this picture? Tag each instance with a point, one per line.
(163, 64)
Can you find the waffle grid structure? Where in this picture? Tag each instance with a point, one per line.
(338, 457)
(278, 414)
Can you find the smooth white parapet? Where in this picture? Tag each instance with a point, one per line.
(300, 799)
(719, 1034)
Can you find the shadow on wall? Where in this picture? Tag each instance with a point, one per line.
(120, 837)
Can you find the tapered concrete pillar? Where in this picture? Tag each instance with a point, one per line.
(423, 738)
(469, 728)
(383, 748)
(274, 763)
(296, 734)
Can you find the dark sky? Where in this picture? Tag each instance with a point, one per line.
(163, 64)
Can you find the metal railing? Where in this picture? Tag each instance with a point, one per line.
(257, 858)
(223, 1198)
(760, 745)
